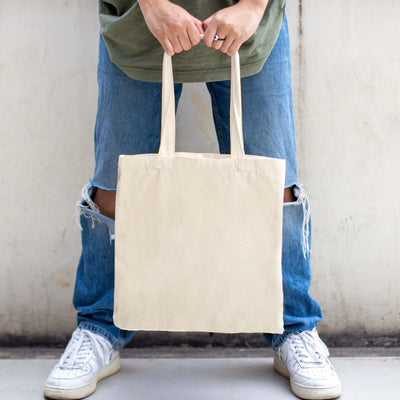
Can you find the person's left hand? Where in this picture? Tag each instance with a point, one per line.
(235, 24)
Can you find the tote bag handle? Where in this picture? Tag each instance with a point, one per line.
(167, 142)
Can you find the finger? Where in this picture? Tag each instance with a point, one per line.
(199, 25)
(217, 44)
(227, 43)
(176, 44)
(184, 41)
(222, 37)
(206, 23)
(234, 47)
(209, 34)
(168, 47)
(194, 34)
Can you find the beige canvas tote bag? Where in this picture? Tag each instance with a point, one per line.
(198, 237)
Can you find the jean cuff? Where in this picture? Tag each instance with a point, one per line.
(94, 328)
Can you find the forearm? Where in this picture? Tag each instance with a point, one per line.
(259, 4)
(150, 3)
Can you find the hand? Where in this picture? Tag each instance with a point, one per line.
(173, 26)
(236, 24)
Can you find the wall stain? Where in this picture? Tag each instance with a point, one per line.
(62, 278)
(300, 29)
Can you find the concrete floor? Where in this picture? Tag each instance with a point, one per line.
(199, 375)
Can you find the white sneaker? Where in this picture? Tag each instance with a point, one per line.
(303, 358)
(87, 358)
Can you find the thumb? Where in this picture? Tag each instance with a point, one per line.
(199, 25)
(206, 23)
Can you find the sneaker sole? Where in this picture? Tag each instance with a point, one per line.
(62, 393)
(307, 392)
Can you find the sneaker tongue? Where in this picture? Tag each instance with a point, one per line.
(81, 349)
(310, 360)
(307, 350)
(84, 352)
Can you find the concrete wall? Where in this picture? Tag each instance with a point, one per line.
(346, 91)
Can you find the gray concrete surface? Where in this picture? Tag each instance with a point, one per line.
(236, 376)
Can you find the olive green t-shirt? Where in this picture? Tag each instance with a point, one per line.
(134, 49)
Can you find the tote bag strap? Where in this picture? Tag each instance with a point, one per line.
(167, 142)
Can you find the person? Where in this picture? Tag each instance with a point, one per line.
(133, 37)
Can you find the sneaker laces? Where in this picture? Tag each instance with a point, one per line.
(80, 349)
(308, 348)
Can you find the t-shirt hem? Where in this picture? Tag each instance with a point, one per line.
(212, 75)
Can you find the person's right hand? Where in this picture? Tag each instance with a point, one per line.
(172, 25)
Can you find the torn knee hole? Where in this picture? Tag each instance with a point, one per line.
(288, 195)
(300, 198)
(87, 194)
(87, 208)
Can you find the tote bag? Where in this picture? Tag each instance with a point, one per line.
(198, 237)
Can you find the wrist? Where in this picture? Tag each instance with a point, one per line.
(146, 4)
(261, 5)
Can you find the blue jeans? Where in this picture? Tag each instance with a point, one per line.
(128, 122)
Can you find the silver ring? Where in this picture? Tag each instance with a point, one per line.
(216, 37)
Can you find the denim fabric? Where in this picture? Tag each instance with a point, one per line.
(301, 310)
(94, 284)
(128, 121)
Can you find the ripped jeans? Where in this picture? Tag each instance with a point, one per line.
(128, 122)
